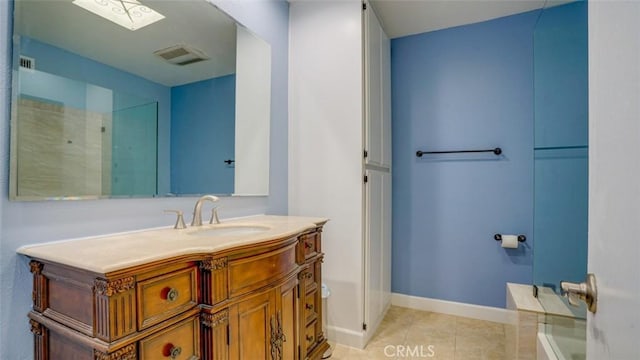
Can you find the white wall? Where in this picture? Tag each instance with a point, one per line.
(253, 111)
(325, 146)
(614, 178)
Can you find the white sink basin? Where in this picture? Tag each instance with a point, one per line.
(228, 230)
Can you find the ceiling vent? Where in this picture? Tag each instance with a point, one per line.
(181, 55)
(27, 62)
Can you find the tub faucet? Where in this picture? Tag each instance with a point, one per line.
(197, 211)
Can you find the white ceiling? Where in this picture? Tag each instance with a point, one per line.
(407, 17)
(193, 22)
(199, 24)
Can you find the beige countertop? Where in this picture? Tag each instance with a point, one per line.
(107, 253)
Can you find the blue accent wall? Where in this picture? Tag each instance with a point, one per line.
(469, 87)
(203, 132)
(561, 145)
(24, 223)
(50, 88)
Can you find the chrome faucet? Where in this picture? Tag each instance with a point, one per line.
(197, 211)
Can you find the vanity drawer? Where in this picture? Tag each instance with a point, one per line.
(310, 336)
(162, 297)
(308, 277)
(179, 342)
(311, 307)
(256, 271)
(309, 245)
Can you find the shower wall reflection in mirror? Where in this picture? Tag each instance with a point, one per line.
(105, 107)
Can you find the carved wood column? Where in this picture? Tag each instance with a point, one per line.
(128, 352)
(40, 286)
(215, 335)
(115, 297)
(40, 341)
(214, 280)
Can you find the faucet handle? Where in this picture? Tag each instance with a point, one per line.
(179, 221)
(214, 216)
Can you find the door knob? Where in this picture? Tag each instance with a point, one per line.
(585, 291)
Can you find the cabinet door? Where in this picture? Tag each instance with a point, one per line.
(373, 93)
(251, 323)
(287, 311)
(377, 92)
(377, 245)
(385, 86)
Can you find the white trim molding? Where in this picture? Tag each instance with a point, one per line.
(342, 336)
(472, 311)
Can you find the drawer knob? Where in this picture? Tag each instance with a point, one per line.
(309, 306)
(175, 352)
(307, 245)
(308, 275)
(309, 338)
(171, 351)
(170, 294)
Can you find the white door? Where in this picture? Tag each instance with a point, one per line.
(373, 89)
(613, 332)
(377, 63)
(377, 247)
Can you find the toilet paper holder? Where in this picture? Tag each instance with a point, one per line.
(498, 237)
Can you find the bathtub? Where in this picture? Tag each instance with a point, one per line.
(562, 339)
(545, 326)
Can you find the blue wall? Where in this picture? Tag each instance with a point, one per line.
(34, 222)
(203, 132)
(561, 145)
(55, 89)
(469, 87)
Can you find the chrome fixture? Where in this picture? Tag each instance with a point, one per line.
(214, 216)
(197, 211)
(179, 221)
(586, 291)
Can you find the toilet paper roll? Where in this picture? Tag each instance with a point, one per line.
(510, 241)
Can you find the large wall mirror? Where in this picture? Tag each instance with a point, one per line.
(121, 98)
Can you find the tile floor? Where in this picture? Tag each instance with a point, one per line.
(413, 334)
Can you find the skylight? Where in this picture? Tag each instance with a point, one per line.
(130, 14)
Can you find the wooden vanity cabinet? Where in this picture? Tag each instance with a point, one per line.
(259, 301)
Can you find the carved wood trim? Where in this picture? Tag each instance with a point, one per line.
(35, 267)
(126, 353)
(213, 320)
(110, 287)
(213, 264)
(114, 308)
(39, 291)
(40, 340)
(214, 280)
(115, 316)
(277, 337)
(36, 328)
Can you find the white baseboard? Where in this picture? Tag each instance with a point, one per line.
(356, 339)
(479, 312)
(346, 337)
